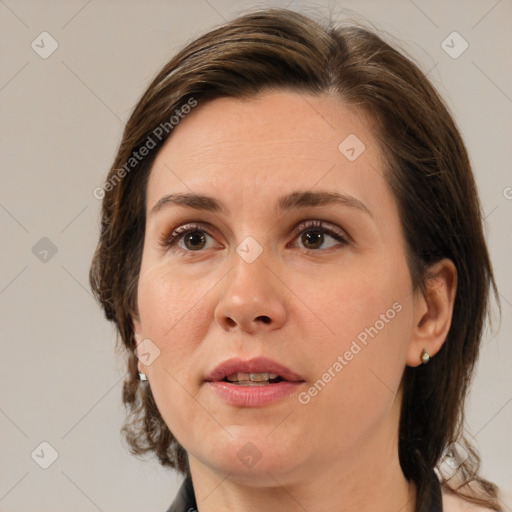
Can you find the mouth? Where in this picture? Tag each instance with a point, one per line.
(259, 371)
(252, 383)
(253, 379)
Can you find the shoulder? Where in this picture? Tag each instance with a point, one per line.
(453, 503)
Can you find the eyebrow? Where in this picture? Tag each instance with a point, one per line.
(294, 200)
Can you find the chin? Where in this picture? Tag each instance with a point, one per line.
(254, 460)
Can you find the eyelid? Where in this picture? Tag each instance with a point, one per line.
(171, 237)
(327, 227)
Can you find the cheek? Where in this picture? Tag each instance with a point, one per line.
(356, 297)
(356, 381)
(167, 307)
(172, 315)
(369, 314)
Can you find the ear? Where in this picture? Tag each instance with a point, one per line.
(433, 311)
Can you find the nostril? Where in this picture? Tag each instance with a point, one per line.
(230, 322)
(265, 319)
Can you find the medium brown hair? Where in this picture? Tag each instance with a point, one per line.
(428, 171)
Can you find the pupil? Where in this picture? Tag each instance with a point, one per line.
(195, 237)
(316, 239)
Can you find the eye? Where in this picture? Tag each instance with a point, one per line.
(194, 237)
(313, 235)
(189, 237)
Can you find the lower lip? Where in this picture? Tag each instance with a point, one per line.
(253, 396)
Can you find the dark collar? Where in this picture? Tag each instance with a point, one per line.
(185, 500)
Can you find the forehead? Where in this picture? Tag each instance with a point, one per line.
(268, 145)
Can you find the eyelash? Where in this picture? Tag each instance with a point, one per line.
(170, 239)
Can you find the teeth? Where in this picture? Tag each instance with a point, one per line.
(258, 377)
(238, 376)
(251, 377)
(250, 383)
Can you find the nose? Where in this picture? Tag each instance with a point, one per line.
(251, 299)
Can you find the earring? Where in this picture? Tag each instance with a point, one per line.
(425, 356)
(142, 377)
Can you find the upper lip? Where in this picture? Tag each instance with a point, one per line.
(256, 365)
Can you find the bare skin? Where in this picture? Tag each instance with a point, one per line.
(299, 303)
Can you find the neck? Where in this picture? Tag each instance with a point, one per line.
(375, 491)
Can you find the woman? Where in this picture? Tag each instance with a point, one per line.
(292, 252)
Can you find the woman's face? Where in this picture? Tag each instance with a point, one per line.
(288, 246)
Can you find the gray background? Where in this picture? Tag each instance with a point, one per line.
(61, 122)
